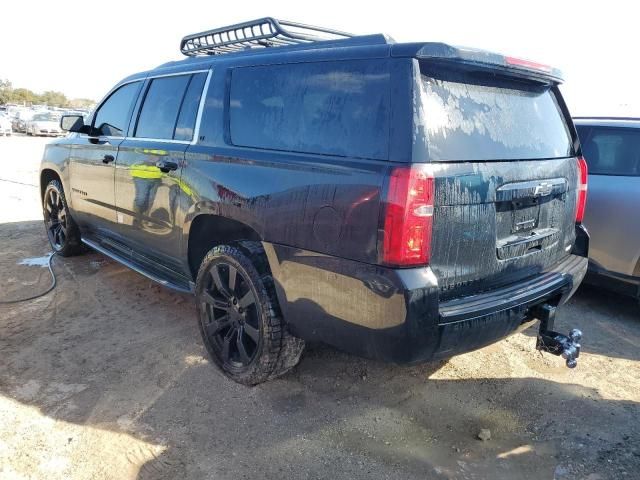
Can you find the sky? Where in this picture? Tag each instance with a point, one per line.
(83, 48)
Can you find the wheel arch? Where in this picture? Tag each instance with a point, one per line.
(208, 230)
(46, 175)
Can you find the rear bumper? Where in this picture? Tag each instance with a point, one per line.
(396, 315)
(616, 282)
(473, 322)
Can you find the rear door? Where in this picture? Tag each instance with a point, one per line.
(613, 158)
(92, 162)
(148, 175)
(502, 155)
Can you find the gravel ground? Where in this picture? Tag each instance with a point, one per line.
(106, 378)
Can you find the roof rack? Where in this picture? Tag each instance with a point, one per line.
(260, 33)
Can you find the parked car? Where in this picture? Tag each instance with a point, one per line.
(399, 201)
(47, 124)
(5, 125)
(611, 147)
(20, 119)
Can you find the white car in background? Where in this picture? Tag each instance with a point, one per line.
(5, 125)
(45, 124)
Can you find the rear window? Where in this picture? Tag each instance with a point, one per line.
(611, 151)
(470, 117)
(331, 108)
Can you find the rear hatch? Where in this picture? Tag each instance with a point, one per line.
(505, 174)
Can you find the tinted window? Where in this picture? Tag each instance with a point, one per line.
(187, 118)
(113, 116)
(336, 108)
(611, 151)
(467, 117)
(160, 108)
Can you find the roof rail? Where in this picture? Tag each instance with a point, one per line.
(260, 33)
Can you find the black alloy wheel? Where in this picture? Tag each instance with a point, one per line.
(230, 305)
(55, 218)
(62, 231)
(239, 315)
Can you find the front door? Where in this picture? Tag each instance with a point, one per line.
(92, 162)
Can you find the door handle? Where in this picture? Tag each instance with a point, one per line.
(108, 159)
(166, 166)
(99, 141)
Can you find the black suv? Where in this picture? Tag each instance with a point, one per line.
(399, 201)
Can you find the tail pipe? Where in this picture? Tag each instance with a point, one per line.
(553, 342)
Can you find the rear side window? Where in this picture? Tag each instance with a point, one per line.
(332, 108)
(469, 117)
(187, 118)
(160, 108)
(112, 116)
(611, 151)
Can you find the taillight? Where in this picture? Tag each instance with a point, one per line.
(582, 189)
(408, 217)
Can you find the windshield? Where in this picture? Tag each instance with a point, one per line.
(469, 117)
(45, 117)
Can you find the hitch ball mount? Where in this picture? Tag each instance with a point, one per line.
(553, 342)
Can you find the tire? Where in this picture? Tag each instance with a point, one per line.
(239, 316)
(62, 230)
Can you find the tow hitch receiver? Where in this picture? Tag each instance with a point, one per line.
(554, 342)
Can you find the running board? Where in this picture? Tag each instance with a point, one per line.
(189, 288)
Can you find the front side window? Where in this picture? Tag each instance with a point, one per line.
(112, 117)
(611, 151)
(332, 108)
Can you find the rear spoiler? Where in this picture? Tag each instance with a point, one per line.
(443, 53)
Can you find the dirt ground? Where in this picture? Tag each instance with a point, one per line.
(106, 378)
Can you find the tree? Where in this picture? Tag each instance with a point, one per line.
(24, 96)
(5, 91)
(81, 103)
(53, 99)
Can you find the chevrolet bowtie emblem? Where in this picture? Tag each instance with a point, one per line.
(543, 189)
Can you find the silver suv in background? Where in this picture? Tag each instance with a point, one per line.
(611, 147)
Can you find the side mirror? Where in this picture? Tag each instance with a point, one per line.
(73, 123)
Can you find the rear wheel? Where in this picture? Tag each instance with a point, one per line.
(239, 317)
(63, 233)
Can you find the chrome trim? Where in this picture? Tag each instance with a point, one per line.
(101, 137)
(175, 74)
(161, 140)
(203, 99)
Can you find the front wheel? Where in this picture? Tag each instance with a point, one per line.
(63, 233)
(239, 316)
